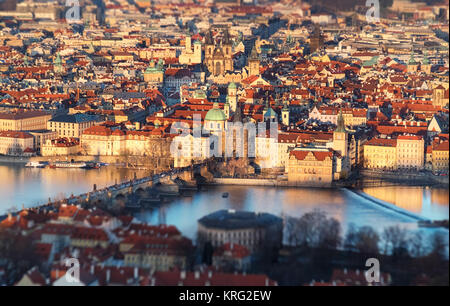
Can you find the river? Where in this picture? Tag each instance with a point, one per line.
(30, 187)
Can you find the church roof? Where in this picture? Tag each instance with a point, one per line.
(215, 114)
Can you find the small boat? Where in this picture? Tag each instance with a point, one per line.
(38, 164)
(225, 195)
(72, 165)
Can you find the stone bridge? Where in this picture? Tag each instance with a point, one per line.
(124, 189)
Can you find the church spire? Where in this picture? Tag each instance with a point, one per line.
(254, 55)
(340, 123)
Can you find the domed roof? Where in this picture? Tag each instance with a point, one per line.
(215, 114)
(232, 85)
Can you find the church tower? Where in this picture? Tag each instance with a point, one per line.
(316, 40)
(227, 108)
(232, 96)
(412, 64)
(340, 136)
(425, 66)
(57, 64)
(285, 114)
(253, 62)
(227, 50)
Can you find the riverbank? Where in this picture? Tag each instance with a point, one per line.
(133, 162)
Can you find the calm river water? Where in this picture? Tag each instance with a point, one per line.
(20, 185)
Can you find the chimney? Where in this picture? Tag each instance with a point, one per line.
(136, 272)
(108, 276)
(183, 274)
(197, 274)
(137, 125)
(210, 274)
(92, 269)
(267, 281)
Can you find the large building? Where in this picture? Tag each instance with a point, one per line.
(440, 157)
(24, 121)
(310, 165)
(189, 55)
(410, 152)
(72, 125)
(218, 56)
(256, 231)
(380, 154)
(16, 143)
(404, 152)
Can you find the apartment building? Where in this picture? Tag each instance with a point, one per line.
(15, 142)
(24, 121)
(72, 125)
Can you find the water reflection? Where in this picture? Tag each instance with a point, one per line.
(344, 205)
(28, 186)
(428, 202)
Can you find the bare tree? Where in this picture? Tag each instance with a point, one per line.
(314, 230)
(364, 240)
(395, 240)
(416, 245)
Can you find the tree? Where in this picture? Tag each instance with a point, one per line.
(364, 240)
(395, 241)
(314, 230)
(416, 245)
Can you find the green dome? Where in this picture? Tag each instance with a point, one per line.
(215, 114)
(412, 60)
(232, 85)
(425, 60)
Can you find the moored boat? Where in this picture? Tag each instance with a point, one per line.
(75, 165)
(36, 164)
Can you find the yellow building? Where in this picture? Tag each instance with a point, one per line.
(161, 254)
(101, 140)
(71, 125)
(440, 156)
(410, 152)
(440, 96)
(15, 143)
(89, 237)
(380, 154)
(60, 147)
(308, 165)
(391, 154)
(24, 121)
(189, 55)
